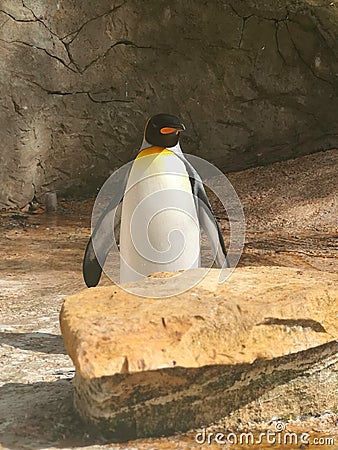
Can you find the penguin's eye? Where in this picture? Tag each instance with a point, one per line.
(168, 130)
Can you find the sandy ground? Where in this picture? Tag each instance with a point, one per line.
(291, 212)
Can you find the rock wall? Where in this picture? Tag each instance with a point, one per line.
(254, 82)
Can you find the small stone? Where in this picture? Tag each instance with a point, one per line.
(51, 201)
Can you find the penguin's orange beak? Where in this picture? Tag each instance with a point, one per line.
(169, 130)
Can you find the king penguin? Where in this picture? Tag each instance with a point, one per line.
(163, 208)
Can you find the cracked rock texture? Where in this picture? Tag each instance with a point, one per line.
(148, 366)
(255, 82)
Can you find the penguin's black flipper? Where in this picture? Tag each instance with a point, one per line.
(210, 226)
(100, 243)
(103, 236)
(206, 216)
(91, 268)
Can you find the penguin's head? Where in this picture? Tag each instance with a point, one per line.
(163, 130)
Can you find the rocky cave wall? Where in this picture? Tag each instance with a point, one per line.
(254, 81)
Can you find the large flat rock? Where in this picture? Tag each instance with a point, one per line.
(150, 366)
(258, 313)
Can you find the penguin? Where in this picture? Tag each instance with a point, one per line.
(160, 206)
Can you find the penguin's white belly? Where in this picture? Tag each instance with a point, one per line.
(159, 224)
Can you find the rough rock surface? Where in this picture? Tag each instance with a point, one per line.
(41, 264)
(148, 366)
(255, 82)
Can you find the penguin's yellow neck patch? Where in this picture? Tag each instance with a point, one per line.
(153, 150)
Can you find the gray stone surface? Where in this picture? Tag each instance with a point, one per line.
(290, 211)
(255, 82)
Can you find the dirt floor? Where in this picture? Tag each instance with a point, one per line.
(291, 211)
